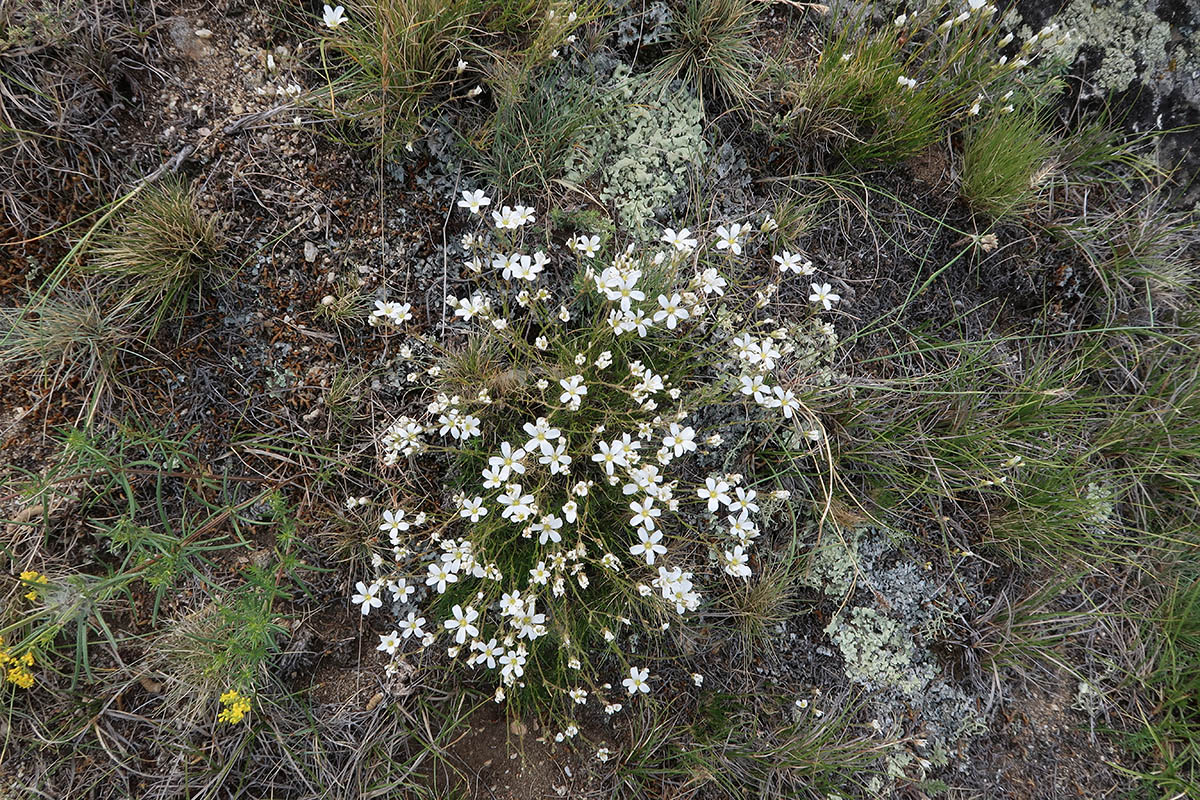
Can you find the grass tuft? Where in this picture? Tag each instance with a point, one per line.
(712, 47)
(1002, 159)
(154, 253)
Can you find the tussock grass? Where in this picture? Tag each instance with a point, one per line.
(1170, 733)
(850, 101)
(68, 335)
(524, 146)
(394, 59)
(1142, 257)
(712, 47)
(154, 253)
(724, 750)
(1002, 161)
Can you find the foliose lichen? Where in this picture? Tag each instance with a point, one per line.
(884, 641)
(641, 152)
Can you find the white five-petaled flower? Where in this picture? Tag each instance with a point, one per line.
(715, 491)
(671, 309)
(388, 642)
(793, 262)
(644, 513)
(588, 245)
(488, 652)
(394, 522)
(367, 597)
(824, 295)
(573, 390)
(681, 241)
(509, 461)
(541, 436)
(472, 509)
(680, 440)
(649, 545)
(730, 238)
(474, 201)
(412, 626)
(737, 563)
(333, 17)
(439, 575)
(636, 682)
(462, 623)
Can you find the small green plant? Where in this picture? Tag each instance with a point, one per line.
(712, 47)
(1003, 159)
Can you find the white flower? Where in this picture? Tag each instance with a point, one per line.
(681, 241)
(711, 282)
(541, 436)
(824, 295)
(518, 506)
(573, 390)
(636, 682)
(648, 545)
(793, 262)
(715, 491)
(367, 597)
(680, 440)
(744, 500)
(474, 201)
(509, 461)
(737, 562)
(394, 522)
(671, 309)
(461, 623)
(644, 514)
(472, 509)
(439, 575)
(588, 245)
(539, 574)
(388, 642)
(411, 626)
(333, 17)
(697, 678)
(909, 83)
(729, 238)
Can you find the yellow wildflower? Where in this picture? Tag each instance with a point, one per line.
(37, 579)
(236, 705)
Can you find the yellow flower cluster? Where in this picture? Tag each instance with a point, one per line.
(36, 580)
(16, 668)
(236, 705)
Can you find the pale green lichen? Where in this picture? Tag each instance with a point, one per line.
(1100, 505)
(880, 654)
(1131, 39)
(884, 642)
(642, 152)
